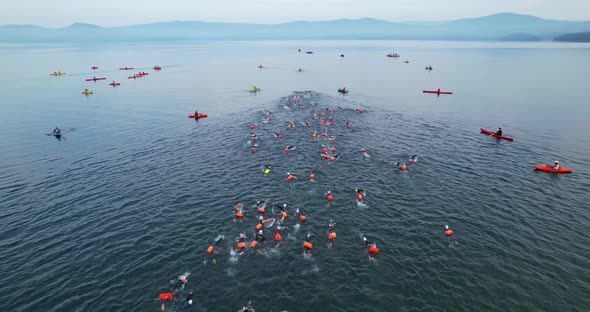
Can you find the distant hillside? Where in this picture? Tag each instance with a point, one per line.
(575, 37)
(520, 37)
(503, 26)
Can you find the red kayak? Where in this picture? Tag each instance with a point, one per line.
(95, 79)
(495, 135)
(436, 92)
(126, 68)
(546, 168)
(114, 84)
(157, 67)
(197, 116)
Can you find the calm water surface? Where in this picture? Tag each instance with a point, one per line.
(105, 218)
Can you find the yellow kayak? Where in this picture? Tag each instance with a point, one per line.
(87, 92)
(57, 74)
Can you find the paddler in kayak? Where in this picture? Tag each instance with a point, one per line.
(196, 114)
(556, 165)
(266, 169)
(57, 130)
(498, 132)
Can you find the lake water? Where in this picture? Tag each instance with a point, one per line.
(134, 193)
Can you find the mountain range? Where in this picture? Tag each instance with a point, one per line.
(502, 26)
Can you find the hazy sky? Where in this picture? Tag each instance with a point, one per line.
(57, 13)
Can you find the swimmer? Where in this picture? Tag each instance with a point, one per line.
(291, 177)
(360, 194)
(239, 211)
(179, 285)
(277, 135)
(329, 195)
(413, 159)
(289, 148)
(241, 243)
(283, 207)
(247, 308)
(308, 242)
(347, 125)
(365, 154)
(187, 303)
(371, 247)
(253, 137)
(360, 191)
(266, 169)
(448, 231)
(312, 175)
(260, 237)
(331, 232)
(307, 124)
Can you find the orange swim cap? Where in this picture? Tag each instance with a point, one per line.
(302, 218)
(253, 149)
(286, 150)
(253, 244)
(241, 245)
(449, 232)
(239, 215)
(373, 250)
(261, 210)
(259, 226)
(284, 214)
(330, 197)
(359, 197)
(251, 126)
(210, 249)
(402, 168)
(278, 237)
(325, 150)
(332, 236)
(411, 161)
(332, 158)
(290, 178)
(333, 149)
(308, 245)
(326, 156)
(312, 176)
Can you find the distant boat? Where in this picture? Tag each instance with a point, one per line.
(94, 67)
(309, 52)
(392, 55)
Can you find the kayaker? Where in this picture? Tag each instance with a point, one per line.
(343, 89)
(196, 113)
(499, 132)
(556, 165)
(266, 169)
(56, 130)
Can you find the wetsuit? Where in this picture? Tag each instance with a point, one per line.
(499, 133)
(260, 237)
